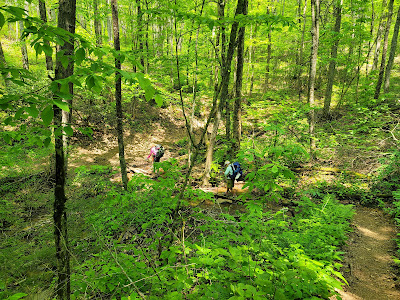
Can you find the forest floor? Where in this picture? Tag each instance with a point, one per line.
(367, 263)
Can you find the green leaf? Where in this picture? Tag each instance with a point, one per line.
(17, 296)
(79, 56)
(2, 20)
(64, 61)
(47, 115)
(90, 82)
(68, 130)
(38, 48)
(159, 100)
(19, 113)
(149, 93)
(61, 104)
(7, 138)
(46, 142)
(32, 111)
(48, 50)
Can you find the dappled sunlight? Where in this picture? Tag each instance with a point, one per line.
(372, 234)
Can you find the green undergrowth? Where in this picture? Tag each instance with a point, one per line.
(255, 254)
(121, 244)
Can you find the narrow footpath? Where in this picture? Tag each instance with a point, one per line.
(368, 263)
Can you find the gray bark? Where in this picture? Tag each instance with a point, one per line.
(332, 63)
(313, 72)
(393, 47)
(384, 51)
(118, 96)
(237, 107)
(66, 21)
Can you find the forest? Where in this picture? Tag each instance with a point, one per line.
(304, 95)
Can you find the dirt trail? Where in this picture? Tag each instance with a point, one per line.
(368, 264)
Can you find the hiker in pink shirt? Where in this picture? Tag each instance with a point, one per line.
(153, 153)
(156, 153)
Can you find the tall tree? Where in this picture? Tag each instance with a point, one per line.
(301, 49)
(384, 51)
(43, 17)
(3, 65)
(379, 34)
(140, 32)
(332, 63)
(66, 21)
(97, 24)
(223, 94)
(313, 71)
(109, 23)
(237, 107)
(392, 53)
(24, 50)
(118, 95)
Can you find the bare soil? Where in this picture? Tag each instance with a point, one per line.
(368, 266)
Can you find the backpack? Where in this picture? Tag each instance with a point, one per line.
(236, 170)
(160, 151)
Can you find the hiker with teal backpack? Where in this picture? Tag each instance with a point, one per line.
(233, 172)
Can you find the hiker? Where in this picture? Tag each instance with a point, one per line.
(156, 152)
(233, 172)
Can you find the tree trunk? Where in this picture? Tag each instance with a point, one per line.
(379, 37)
(237, 107)
(226, 71)
(24, 51)
(109, 24)
(269, 53)
(66, 21)
(43, 17)
(371, 32)
(118, 104)
(384, 51)
(313, 72)
(194, 88)
(393, 47)
(140, 33)
(332, 63)
(97, 24)
(3, 65)
(299, 81)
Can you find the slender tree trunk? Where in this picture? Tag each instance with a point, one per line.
(3, 65)
(97, 24)
(379, 33)
(332, 63)
(392, 53)
(237, 107)
(66, 21)
(384, 51)
(210, 143)
(140, 32)
(24, 51)
(299, 81)
(269, 53)
(118, 104)
(194, 89)
(226, 71)
(313, 72)
(147, 69)
(109, 24)
(43, 17)
(371, 32)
